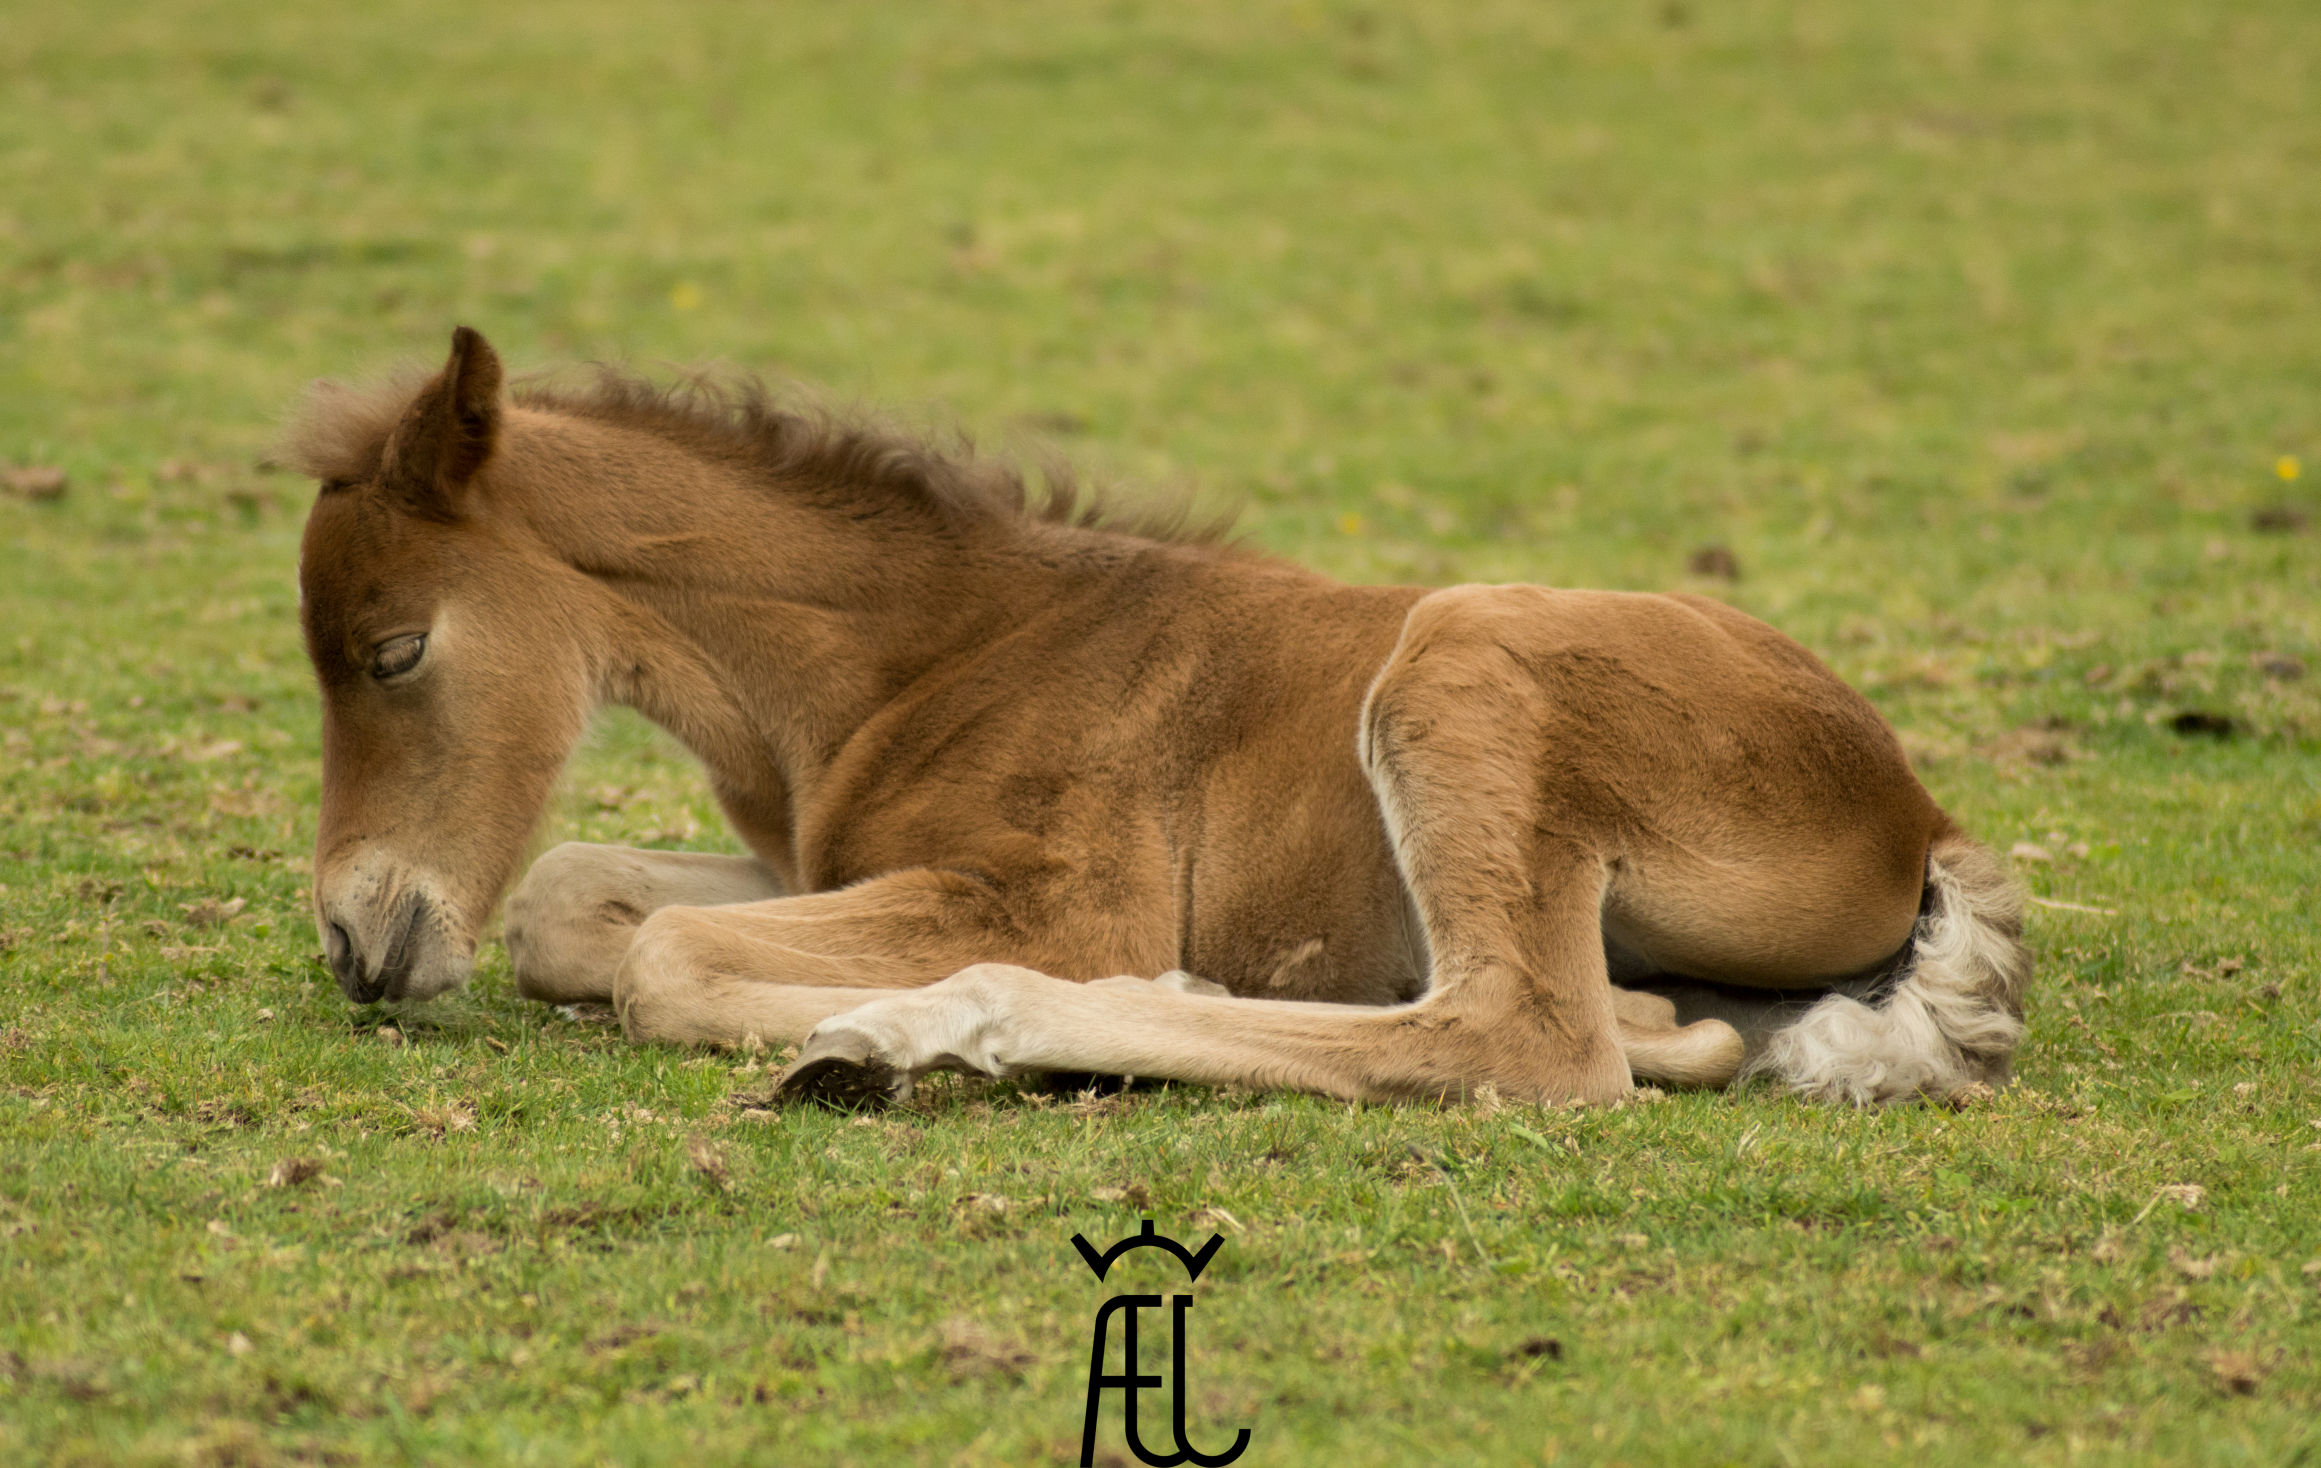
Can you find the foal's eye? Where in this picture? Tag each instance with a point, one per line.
(398, 656)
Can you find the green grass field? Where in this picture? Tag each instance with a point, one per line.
(1982, 337)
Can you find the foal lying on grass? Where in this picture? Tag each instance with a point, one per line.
(991, 751)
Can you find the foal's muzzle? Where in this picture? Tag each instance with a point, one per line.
(367, 978)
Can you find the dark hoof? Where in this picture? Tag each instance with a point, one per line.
(842, 1074)
(1080, 1082)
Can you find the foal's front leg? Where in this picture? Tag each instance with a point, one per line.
(1484, 1021)
(570, 921)
(1000, 1020)
(772, 971)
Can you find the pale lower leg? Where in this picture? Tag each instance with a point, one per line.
(719, 975)
(727, 1013)
(570, 921)
(1705, 1053)
(998, 1019)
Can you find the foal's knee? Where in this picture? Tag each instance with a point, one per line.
(569, 921)
(659, 990)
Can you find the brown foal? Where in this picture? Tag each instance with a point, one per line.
(1012, 774)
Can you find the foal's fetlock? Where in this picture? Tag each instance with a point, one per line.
(653, 989)
(1596, 1076)
(1448, 1051)
(1588, 1091)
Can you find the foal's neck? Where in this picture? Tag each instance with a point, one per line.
(764, 625)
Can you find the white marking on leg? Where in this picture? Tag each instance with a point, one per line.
(958, 1024)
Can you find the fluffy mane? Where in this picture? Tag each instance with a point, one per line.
(849, 460)
(339, 433)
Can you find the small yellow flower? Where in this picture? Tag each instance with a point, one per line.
(685, 296)
(1350, 523)
(2287, 466)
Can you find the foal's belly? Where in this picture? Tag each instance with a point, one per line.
(1363, 962)
(1332, 925)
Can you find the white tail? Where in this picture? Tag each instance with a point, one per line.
(1953, 1021)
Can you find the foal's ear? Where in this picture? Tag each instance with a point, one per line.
(448, 431)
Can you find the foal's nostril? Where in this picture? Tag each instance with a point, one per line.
(347, 967)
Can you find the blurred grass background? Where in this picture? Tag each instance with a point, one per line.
(1980, 341)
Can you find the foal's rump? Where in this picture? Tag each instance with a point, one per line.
(1756, 818)
(1771, 860)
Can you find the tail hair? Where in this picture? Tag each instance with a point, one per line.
(1954, 1019)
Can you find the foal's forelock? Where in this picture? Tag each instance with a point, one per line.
(338, 435)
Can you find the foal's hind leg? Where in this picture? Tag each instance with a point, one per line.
(571, 919)
(1702, 1054)
(1506, 856)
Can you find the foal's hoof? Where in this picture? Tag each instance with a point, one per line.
(842, 1071)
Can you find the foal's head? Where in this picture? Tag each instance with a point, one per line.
(452, 653)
